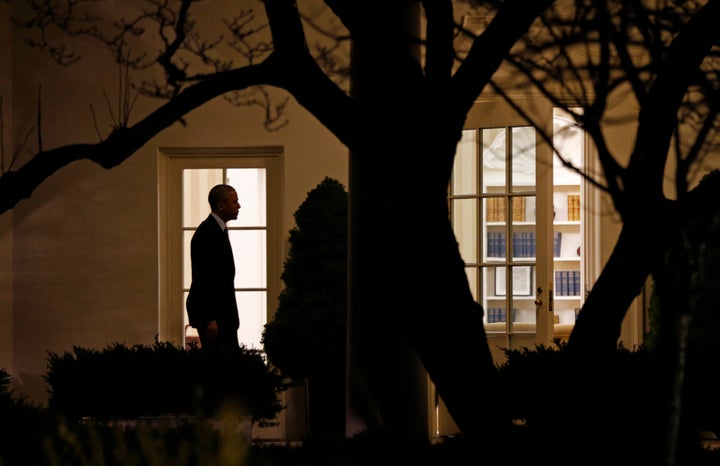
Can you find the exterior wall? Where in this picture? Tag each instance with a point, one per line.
(620, 139)
(84, 247)
(6, 236)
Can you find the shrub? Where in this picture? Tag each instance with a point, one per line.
(308, 331)
(136, 381)
(306, 339)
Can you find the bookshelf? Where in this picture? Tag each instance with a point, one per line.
(518, 238)
(568, 289)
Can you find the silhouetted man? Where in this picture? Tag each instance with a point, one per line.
(211, 305)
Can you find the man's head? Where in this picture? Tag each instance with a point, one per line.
(224, 202)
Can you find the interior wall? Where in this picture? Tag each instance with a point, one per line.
(85, 245)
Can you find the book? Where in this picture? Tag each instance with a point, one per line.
(491, 209)
(518, 209)
(558, 283)
(517, 244)
(557, 241)
(576, 288)
(500, 217)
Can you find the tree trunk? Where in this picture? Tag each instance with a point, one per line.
(387, 387)
(598, 326)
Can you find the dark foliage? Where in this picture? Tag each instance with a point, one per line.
(307, 333)
(306, 339)
(700, 250)
(623, 406)
(133, 381)
(23, 426)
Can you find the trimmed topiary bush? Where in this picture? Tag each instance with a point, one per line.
(306, 338)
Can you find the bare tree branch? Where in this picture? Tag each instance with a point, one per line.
(123, 142)
(512, 19)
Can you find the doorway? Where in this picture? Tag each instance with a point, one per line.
(519, 215)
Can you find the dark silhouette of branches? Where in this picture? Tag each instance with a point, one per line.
(665, 56)
(190, 53)
(189, 47)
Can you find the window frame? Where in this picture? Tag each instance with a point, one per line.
(171, 163)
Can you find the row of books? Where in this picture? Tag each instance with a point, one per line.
(523, 244)
(495, 209)
(573, 201)
(567, 283)
(497, 314)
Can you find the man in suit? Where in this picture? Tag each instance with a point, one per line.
(211, 304)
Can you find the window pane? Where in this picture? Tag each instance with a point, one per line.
(499, 281)
(186, 320)
(471, 273)
(524, 315)
(493, 143)
(465, 227)
(523, 158)
(196, 186)
(523, 229)
(465, 165)
(495, 307)
(249, 252)
(568, 140)
(252, 309)
(523, 277)
(250, 186)
(524, 311)
(495, 245)
(187, 266)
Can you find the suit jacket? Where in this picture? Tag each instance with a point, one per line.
(212, 291)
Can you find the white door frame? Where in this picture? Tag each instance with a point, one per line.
(497, 113)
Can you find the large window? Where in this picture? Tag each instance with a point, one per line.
(186, 178)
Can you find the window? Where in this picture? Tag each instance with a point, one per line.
(500, 180)
(187, 176)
